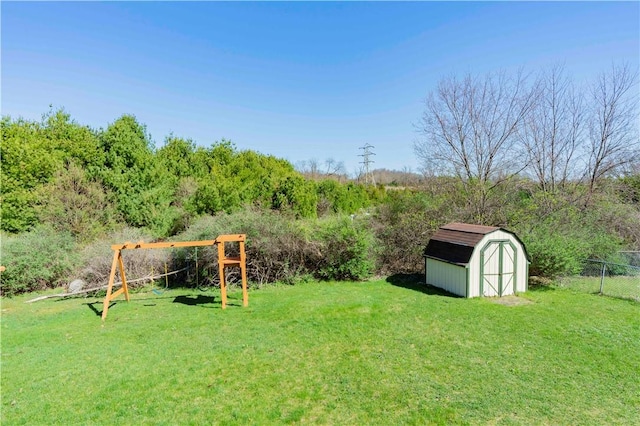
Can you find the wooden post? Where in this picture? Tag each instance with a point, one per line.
(243, 270)
(221, 265)
(225, 262)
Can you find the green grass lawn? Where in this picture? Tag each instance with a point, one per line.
(322, 353)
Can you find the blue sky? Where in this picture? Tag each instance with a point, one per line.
(294, 80)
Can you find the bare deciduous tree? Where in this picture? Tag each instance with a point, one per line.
(551, 134)
(613, 124)
(334, 168)
(470, 128)
(309, 168)
(312, 169)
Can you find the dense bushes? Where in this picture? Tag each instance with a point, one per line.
(37, 260)
(97, 257)
(347, 247)
(84, 184)
(47, 258)
(275, 246)
(403, 225)
(279, 249)
(286, 250)
(553, 255)
(55, 169)
(559, 236)
(73, 203)
(560, 233)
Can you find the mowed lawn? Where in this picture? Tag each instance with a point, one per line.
(322, 353)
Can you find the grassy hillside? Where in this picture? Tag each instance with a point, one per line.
(322, 353)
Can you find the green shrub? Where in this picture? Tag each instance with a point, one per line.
(332, 197)
(349, 198)
(347, 249)
(553, 255)
(73, 203)
(561, 251)
(36, 260)
(296, 195)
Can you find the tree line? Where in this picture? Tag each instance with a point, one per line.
(485, 130)
(555, 163)
(85, 180)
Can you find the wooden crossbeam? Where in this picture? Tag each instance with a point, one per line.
(143, 245)
(223, 262)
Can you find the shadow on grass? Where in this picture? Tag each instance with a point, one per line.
(191, 300)
(202, 300)
(416, 282)
(96, 310)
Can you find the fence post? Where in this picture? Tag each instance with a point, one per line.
(604, 268)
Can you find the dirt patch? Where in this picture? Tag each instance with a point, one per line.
(511, 301)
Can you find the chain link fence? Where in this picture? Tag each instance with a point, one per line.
(632, 258)
(620, 280)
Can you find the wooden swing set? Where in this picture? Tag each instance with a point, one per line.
(223, 262)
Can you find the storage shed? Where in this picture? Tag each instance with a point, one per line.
(475, 260)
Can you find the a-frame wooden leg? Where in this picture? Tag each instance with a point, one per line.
(117, 263)
(123, 277)
(112, 276)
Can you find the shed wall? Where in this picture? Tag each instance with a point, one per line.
(452, 278)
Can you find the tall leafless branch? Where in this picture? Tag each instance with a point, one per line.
(613, 125)
(469, 129)
(552, 133)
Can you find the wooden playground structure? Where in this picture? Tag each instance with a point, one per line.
(223, 262)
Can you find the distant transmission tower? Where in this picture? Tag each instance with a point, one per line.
(366, 153)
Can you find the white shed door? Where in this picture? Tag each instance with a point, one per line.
(497, 268)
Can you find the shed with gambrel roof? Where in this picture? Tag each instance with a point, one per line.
(476, 260)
